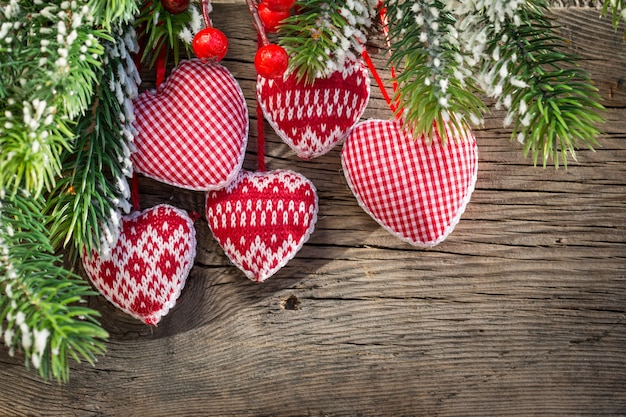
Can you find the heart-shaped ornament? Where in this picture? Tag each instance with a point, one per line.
(192, 132)
(312, 118)
(148, 266)
(262, 219)
(415, 189)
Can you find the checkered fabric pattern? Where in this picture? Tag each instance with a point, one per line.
(416, 190)
(147, 269)
(313, 118)
(193, 131)
(262, 219)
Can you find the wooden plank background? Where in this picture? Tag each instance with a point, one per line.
(521, 311)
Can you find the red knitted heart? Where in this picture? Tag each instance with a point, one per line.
(262, 219)
(312, 118)
(147, 268)
(192, 132)
(416, 190)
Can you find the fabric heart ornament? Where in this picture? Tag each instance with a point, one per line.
(415, 189)
(312, 117)
(262, 219)
(148, 266)
(193, 130)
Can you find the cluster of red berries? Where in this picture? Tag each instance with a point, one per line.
(209, 43)
(271, 60)
(272, 12)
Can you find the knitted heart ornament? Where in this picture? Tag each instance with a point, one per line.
(149, 264)
(416, 190)
(312, 118)
(192, 132)
(262, 219)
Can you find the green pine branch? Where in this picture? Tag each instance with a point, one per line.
(54, 59)
(552, 103)
(435, 87)
(162, 30)
(89, 199)
(40, 308)
(322, 35)
(109, 13)
(49, 58)
(617, 11)
(445, 52)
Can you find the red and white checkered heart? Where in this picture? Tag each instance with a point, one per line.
(148, 266)
(414, 189)
(312, 118)
(262, 219)
(192, 132)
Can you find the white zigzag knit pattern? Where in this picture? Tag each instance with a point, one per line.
(263, 219)
(148, 267)
(312, 119)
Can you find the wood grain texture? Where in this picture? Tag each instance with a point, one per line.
(521, 311)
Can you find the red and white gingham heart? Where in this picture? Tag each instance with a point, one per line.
(149, 264)
(262, 219)
(192, 132)
(416, 190)
(312, 118)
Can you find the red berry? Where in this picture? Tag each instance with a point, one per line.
(271, 61)
(279, 5)
(270, 18)
(175, 6)
(210, 43)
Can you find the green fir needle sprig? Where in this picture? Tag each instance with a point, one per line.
(41, 308)
(551, 102)
(49, 61)
(616, 9)
(163, 31)
(448, 54)
(86, 206)
(323, 35)
(57, 60)
(435, 86)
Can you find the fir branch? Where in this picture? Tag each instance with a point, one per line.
(40, 311)
(162, 30)
(31, 144)
(48, 72)
(92, 195)
(110, 13)
(323, 35)
(617, 10)
(435, 87)
(551, 101)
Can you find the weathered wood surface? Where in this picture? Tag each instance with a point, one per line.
(521, 311)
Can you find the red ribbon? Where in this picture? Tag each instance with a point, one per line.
(161, 62)
(260, 142)
(372, 67)
(134, 192)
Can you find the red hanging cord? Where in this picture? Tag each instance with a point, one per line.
(374, 71)
(260, 142)
(385, 22)
(134, 192)
(379, 81)
(160, 64)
